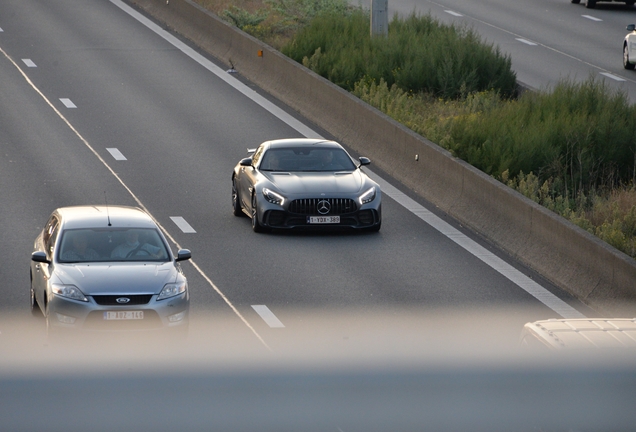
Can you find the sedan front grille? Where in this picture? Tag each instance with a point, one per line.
(322, 206)
(111, 300)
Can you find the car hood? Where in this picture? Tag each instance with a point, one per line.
(117, 278)
(320, 182)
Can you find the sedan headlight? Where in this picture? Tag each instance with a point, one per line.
(273, 197)
(368, 196)
(172, 289)
(68, 291)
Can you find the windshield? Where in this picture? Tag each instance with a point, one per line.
(314, 159)
(95, 245)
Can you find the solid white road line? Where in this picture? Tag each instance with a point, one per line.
(533, 288)
(29, 63)
(268, 316)
(115, 153)
(505, 269)
(182, 224)
(67, 103)
(612, 76)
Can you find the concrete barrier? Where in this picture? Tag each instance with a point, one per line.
(568, 256)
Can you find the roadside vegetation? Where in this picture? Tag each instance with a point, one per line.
(571, 148)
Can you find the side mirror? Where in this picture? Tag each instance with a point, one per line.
(246, 162)
(631, 27)
(183, 254)
(40, 257)
(364, 161)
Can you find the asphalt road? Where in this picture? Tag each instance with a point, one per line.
(96, 108)
(547, 40)
(412, 328)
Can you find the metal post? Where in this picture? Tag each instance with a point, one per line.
(379, 17)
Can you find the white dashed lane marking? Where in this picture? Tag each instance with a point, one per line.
(268, 316)
(526, 41)
(453, 13)
(29, 63)
(182, 224)
(116, 154)
(67, 103)
(591, 18)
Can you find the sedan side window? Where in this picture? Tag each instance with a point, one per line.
(50, 235)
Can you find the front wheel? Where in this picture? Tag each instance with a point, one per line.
(35, 308)
(590, 4)
(626, 63)
(236, 200)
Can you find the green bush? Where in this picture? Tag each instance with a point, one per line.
(419, 55)
(582, 135)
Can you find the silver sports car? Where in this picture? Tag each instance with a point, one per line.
(292, 183)
(107, 268)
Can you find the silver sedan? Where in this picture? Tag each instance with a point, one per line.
(107, 268)
(305, 183)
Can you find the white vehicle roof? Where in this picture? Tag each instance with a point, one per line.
(582, 333)
(102, 216)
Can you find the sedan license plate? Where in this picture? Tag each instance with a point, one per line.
(323, 219)
(123, 315)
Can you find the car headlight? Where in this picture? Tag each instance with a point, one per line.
(368, 196)
(68, 291)
(273, 197)
(172, 289)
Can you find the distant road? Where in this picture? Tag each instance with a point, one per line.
(546, 39)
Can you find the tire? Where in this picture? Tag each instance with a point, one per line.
(590, 4)
(236, 200)
(256, 225)
(575, 1)
(35, 308)
(626, 64)
(629, 3)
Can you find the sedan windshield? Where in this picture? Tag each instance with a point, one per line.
(96, 245)
(314, 159)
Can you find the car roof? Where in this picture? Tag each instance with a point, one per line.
(104, 217)
(300, 142)
(585, 332)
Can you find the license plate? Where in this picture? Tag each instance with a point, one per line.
(323, 219)
(123, 315)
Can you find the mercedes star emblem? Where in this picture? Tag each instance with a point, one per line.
(323, 207)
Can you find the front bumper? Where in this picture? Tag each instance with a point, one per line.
(360, 219)
(152, 316)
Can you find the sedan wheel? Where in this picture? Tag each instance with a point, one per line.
(236, 200)
(35, 309)
(576, 1)
(590, 4)
(256, 225)
(626, 63)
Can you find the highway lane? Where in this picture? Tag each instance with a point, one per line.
(181, 129)
(547, 40)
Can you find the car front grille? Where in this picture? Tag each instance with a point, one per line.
(318, 206)
(111, 300)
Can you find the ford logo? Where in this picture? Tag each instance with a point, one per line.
(122, 300)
